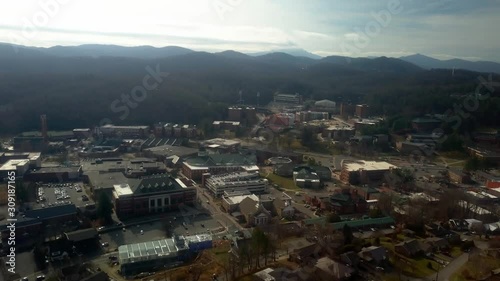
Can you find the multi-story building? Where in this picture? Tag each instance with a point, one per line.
(305, 116)
(231, 126)
(286, 98)
(346, 110)
(194, 167)
(166, 253)
(82, 133)
(238, 181)
(339, 132)
(362, 110)
(326, 105)
(152, 194)
(347, 202)
(19, 166)
(124, 131)
(362, 172)
(425, 125)
(35, 159)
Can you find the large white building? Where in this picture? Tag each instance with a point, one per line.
(238, 181)
(124, 131)
(355, 172)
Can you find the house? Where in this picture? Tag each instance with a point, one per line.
(437, 243)
(350, 258)
(458, 176)
(409, 248)
(326, 270)
(368, 193)
(254, 212)
(347, 202)
(374, 254)
(271, 274)
(283, 207)
(306, 252)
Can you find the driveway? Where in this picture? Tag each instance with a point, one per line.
(452, 267)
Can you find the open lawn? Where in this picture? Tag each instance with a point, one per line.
(282, 182)
(417, 267)
(476, 268)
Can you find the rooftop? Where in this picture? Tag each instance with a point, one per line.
(122, 189)
(238, 198)
(155, 183)
(109, 126)
(221, 160)
(11, 165)
(223, 142)
(106, 180)
(150, 250)
(59, 169)
(239, 177)
(367, 165)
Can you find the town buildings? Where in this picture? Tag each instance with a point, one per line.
(194, 167)
(152, 194)
(236, 181)
(363, 172)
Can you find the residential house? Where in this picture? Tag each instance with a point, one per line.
(272, 274)
(327, 269)
(437, 243)
(375, 255)
(283, 207)
(305, 253)
(254, 212)
(350, 258)
(368, 193)
(347, 202)
(409, 248)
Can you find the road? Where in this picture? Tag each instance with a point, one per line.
(454, 266)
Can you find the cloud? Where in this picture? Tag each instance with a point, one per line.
(455, 28)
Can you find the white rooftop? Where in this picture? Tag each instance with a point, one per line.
(368, 165)
(238, 198)
(122, 189)
(12, 164)
(223, 142)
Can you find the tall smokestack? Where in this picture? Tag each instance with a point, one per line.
(43, 121)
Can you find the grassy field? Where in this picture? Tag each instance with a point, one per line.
(285, 183)
(476, 268)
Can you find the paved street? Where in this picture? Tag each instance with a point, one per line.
(454, 266)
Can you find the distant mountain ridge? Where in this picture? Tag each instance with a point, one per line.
(430, 63)
(286, 57)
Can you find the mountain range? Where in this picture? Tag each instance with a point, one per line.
(79, 86)
(297, 57)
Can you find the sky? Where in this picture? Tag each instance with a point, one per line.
(442, 29)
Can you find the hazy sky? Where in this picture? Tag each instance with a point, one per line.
(442, 29)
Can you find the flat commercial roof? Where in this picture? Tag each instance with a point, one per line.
(45, 170)
(122, 189)
(12, 164)
(223, 142)
(106, 180)
(150, 250)
(368, 165)
(168, 150)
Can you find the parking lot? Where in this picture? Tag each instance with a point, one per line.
(49, 195)
(158, 230)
